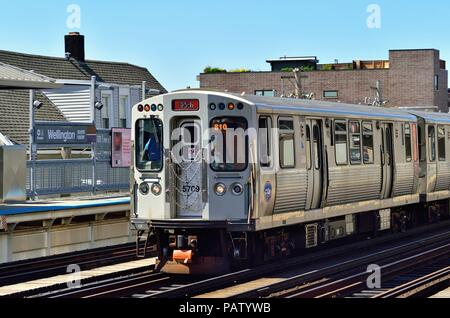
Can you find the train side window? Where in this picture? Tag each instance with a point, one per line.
(316, 143)
(389, 149)
(422, 144)
(308, 148)
(355, 142)
(341, 144)
(432, 142)
(415, 143)
(265, 141)
(287, 144)
(441, 143)
(408, 147)
(368, 153)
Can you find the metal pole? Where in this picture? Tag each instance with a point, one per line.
(144, 87)
(31, 145)
(92, 98)
(298, 89)
(93, 118)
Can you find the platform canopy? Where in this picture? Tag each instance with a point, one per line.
(12, 77)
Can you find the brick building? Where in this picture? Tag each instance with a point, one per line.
(410, 78)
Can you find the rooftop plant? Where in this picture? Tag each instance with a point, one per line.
(210, 70)
(240, 70)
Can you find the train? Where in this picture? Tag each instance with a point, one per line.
(223, 180)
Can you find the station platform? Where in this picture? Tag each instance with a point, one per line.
(83, 276)
(61, 205)
(442, 294)
(36, 229)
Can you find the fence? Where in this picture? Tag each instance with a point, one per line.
(78, 175)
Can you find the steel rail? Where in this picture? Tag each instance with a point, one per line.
(418, 285)
(17, 272)
(338, 286)
(246, 275)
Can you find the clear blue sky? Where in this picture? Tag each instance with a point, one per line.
(176, 39)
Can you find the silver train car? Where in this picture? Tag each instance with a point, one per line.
(304, 173)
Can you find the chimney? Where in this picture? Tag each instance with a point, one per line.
(75, 46)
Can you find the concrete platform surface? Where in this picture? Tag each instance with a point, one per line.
(442, 294)
(69, 278)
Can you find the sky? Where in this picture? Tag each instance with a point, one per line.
(177, 39)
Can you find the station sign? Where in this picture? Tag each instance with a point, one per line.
(63, 134)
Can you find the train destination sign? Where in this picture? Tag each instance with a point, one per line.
(64, 134)
(186, 105)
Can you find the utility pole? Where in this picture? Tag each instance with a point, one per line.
(32, 150)
(379, 101)
(298, 82)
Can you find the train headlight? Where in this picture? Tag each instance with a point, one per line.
(141, 108)
(144, 188)
(147, 108)
(156, 189)
(160, 107)
(237, 189)
(154, 108)
(220, 189)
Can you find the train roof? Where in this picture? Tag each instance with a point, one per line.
(313, 106)
(332, 108)
(432, 117)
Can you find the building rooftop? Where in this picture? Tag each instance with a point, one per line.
(293, 59)
(14, 113)
(12, 77)
(71, 69)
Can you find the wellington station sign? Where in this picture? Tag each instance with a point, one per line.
(64, 134)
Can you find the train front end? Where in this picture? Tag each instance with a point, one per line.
(193, 179)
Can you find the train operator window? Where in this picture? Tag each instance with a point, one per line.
(265, 140)
(355, 142)
(149, 144)
(341, 145)
(432, 142)
(408, 147)
(368, 153)
(441, 143)
(229, 144)
(287, 144)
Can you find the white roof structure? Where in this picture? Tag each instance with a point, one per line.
(12, 77)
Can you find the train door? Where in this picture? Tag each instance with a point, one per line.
(387, 160)
(188, 171)
(315, 163)
(432, 165)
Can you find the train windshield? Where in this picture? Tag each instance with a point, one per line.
(229, 144)
(149, 146)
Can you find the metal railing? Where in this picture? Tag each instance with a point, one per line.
(75, 176)
(69, 176)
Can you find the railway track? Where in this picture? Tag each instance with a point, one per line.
(421, 282)
(18, 272)
(303, 269)
(313, 270)
(129, 286)
(395, 269)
